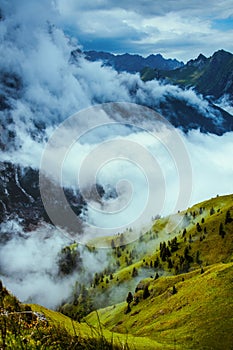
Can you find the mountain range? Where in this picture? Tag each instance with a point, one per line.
(212, 76)
(19, 190)
(133, 63)
(86, 165)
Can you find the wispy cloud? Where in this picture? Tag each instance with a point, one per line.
(145, 27)
(51, 89)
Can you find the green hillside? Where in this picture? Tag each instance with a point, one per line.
(198, 316)
(201, 238)
(210, 76)
(197, 298)
(177, 279)
(24, 326)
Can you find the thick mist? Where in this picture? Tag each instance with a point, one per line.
(48, 87)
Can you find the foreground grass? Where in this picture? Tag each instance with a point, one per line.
(31, 326)
(86, 331)
(190, 306)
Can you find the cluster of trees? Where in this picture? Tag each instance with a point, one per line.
(129, 256)
(80, 305)
(69, 260)
(166, 250)
(193, 214)
(130, 298)
(101, 277)
(145, 293)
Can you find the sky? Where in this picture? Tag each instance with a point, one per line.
(177, 29)
(51, 89)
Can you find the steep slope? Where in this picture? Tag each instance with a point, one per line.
(211, 76)
(181, 284)
(202, 238)
(25, 326)
(186, 300)
(198, 315)
(188, 115)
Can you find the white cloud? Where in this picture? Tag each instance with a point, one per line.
(29, 265)
(212, 166)
(169, 27)
(53, 89)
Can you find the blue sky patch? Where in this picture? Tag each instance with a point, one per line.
(223, 24)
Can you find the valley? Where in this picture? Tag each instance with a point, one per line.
(181, 285)
(116, 192)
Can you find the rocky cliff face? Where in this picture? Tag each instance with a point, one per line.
(20, 196)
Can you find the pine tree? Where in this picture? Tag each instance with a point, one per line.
(146, 292)
(128, 309)
(170, 264)
(198, 257)
(113, 244)
(134, 272)
(129, 298)
(228, 219)
(221, 230)
(174, 244)
(156, 262)
(96, 279)
(212, 211)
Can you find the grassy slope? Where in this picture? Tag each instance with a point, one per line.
(200, 315)
(17, 332)
(212, 248)
(86, 330)
(203, 303)
(186, 76)
(210, 78)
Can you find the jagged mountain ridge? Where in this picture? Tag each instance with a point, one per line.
(14, 180)
(133, 63)
(212, 76)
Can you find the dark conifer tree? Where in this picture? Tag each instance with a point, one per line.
(129, 298)
(228, 219)
(146, 292)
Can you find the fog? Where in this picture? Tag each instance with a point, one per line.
(29, 264)
(140, 162)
